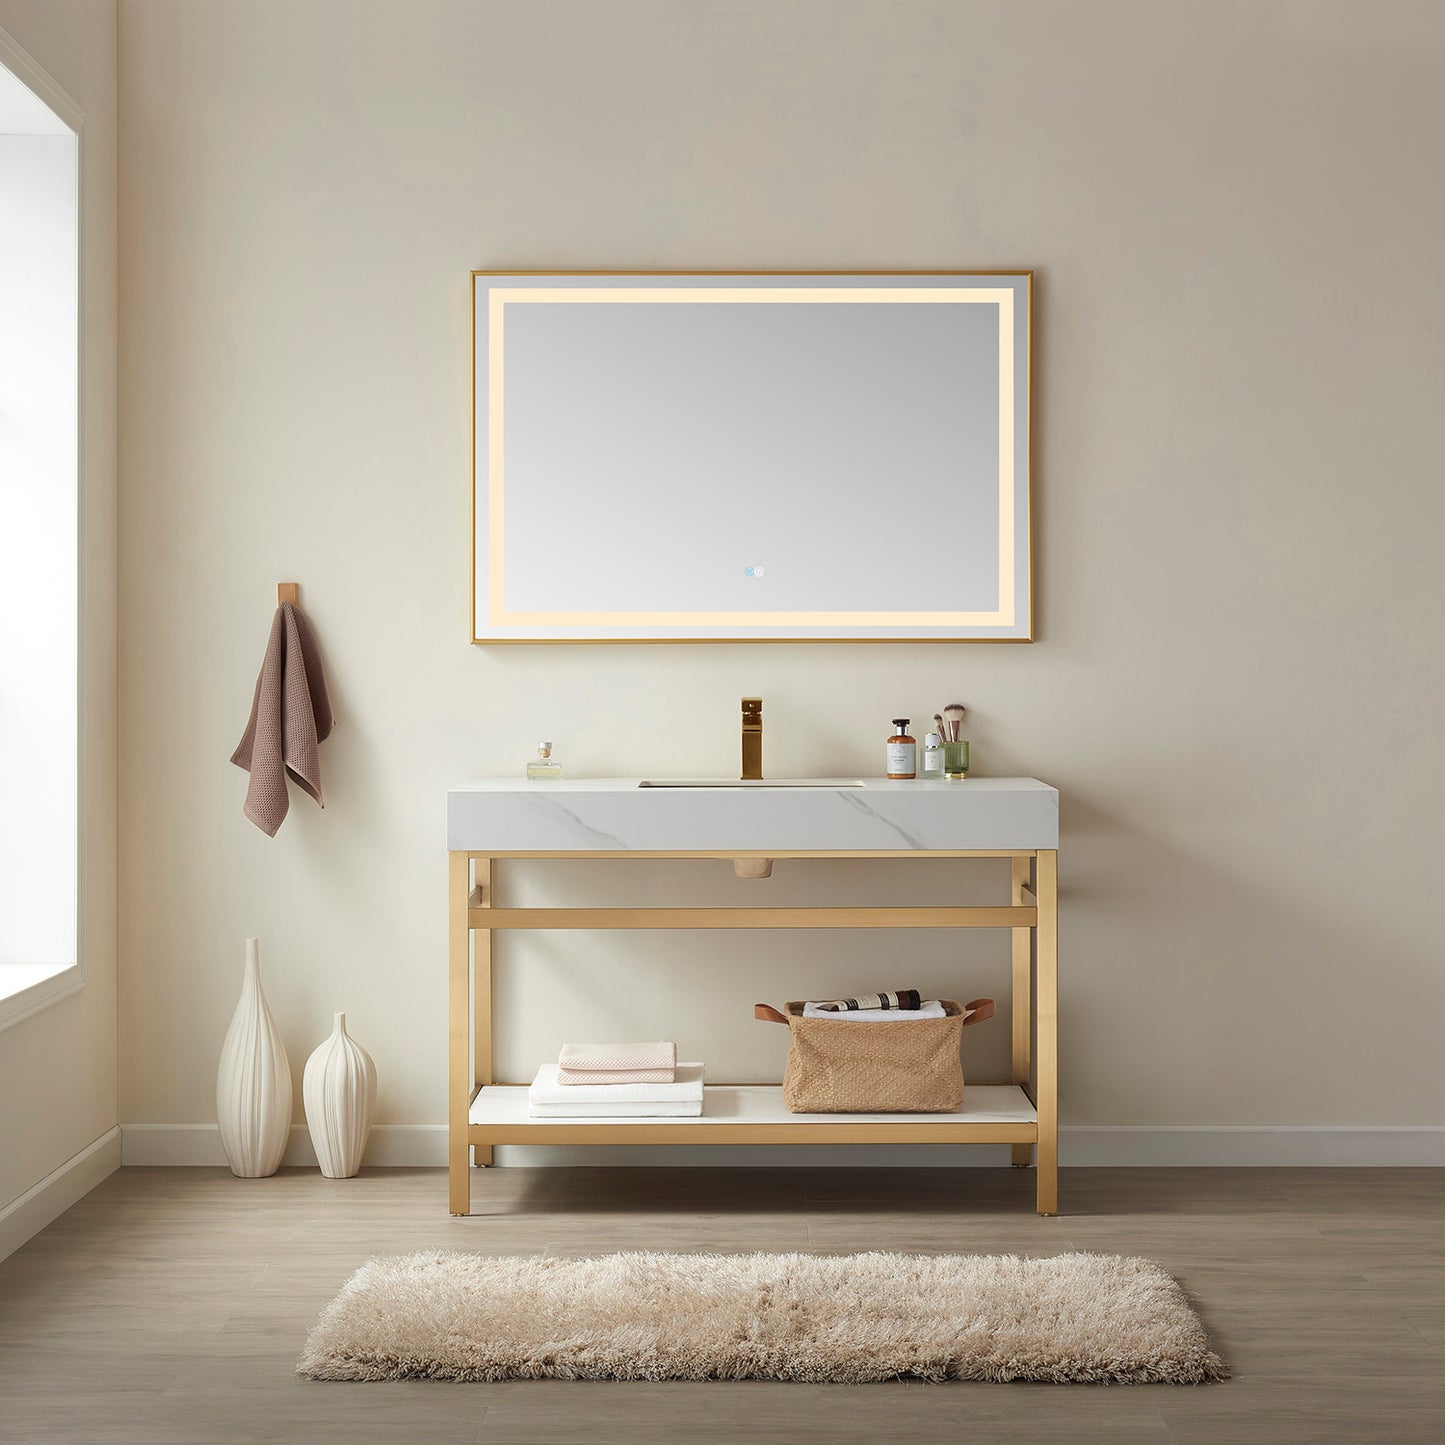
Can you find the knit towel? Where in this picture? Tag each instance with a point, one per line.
(597, 1058)
(546, 1090)
(573, 1077)
(930, 1009)
(290, 715)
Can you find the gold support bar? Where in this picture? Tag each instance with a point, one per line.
(459, 1060)
(979, 917)
(1022, 1009)
(479, 901)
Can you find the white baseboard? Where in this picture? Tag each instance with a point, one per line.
(424, 1146)
(1309, 1146)
(391, 1146)
(25, 1217)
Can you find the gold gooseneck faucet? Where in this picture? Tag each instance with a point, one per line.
(752, 739)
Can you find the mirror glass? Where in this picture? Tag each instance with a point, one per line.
(733, 457)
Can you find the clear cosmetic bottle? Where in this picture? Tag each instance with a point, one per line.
(545, 767)
(932, 757)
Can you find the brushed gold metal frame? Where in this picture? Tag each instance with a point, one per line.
(1031, 916)
(1029, 597)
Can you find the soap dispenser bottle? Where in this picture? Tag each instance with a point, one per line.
(902, 752)
(545, 766)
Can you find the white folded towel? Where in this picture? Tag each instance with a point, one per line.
(546, 1090)
(931, 1008)
(662, 1109)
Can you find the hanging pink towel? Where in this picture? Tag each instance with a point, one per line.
(290, 716)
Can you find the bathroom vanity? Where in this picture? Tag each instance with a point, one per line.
(752, 823)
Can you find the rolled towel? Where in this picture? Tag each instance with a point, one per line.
(929, 1009)
(545, 1090)
(903, 998)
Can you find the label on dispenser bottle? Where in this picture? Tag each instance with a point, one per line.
(902, 760)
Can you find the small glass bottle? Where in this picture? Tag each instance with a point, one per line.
(544, 768)
(902, 752)
(932, 757)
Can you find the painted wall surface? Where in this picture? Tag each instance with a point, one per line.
(1237, 683)
(58, 1066)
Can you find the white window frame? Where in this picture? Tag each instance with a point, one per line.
(29, 988)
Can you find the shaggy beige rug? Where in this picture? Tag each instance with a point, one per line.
(819, 1318)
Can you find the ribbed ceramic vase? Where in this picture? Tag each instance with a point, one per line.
(253, 1082)
(339, 1090)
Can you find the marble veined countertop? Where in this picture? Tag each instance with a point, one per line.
(618, 815)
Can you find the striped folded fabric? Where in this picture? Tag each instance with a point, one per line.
(649, 1063)
(932, 1008)
(904, 998)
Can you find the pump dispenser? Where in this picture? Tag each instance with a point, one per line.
(902, 751)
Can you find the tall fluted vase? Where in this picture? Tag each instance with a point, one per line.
(253, 1082)
(339, 1090)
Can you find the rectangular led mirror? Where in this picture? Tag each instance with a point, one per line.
(730, 457)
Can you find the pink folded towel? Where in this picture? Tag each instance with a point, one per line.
(615, 1076)
(290, 716)
(651, 1063)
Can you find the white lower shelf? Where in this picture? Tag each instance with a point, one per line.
(993, 1112)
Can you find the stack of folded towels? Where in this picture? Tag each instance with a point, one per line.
(616, 1081)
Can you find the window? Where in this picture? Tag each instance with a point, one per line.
(39, 547)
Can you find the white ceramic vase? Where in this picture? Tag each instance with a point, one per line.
(253, 1082)
(339, 1090)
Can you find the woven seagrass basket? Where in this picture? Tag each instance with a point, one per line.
(842, 1066)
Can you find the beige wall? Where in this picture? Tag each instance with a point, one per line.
(1237, 683)
(58, 1067)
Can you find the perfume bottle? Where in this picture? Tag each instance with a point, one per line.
(932, 757)
(545, 766)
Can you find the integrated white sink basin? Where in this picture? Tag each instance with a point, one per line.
(833, 783)
(733, 817)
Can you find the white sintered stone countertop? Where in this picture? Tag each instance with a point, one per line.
(617, 815)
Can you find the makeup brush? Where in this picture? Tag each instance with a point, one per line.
(954, 713)
(938, 721)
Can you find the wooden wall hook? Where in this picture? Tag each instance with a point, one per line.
(288, 592)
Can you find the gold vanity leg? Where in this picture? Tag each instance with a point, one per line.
(482, 999)
(459, 1069)
(1022, 1008)
(1047, 989)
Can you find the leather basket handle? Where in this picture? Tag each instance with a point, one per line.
(768, 1014)
(979, 1010)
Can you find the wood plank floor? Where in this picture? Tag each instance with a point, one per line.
(169, 1305)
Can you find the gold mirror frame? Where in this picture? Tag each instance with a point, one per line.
(503, 626)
